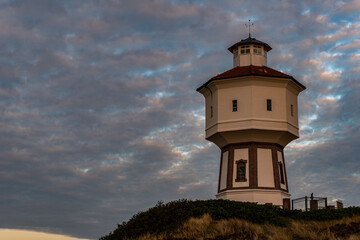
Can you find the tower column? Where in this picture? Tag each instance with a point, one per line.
(261, 170)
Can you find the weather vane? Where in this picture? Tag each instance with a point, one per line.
(249, 25)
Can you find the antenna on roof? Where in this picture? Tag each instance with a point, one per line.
(249, 25)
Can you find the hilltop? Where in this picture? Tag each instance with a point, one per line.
(223, 219)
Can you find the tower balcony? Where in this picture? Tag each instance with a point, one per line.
(223, 138)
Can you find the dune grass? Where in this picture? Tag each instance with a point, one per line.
(223, 219)
(205, 228)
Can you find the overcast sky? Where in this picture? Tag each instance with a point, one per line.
(99, 117)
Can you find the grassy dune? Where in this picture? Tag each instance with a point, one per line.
(222, 219)
(205, 228)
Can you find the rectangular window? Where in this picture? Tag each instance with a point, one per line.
(292, 110)
(245, 50)
(268, 104)
(236, 53)
(211, 111)
(282, 179)
(257, 50)
(241, 171)
(234, 105)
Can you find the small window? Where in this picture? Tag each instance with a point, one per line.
(234, 105)
(282, 179)
(211, 111)
(292, 110)
(245, 50)
(257, 50)
(268, 104)
(265, 53)
(236, 53)
(241, 171)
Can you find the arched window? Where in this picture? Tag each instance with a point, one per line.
(241, 171)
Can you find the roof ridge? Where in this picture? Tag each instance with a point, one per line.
(277, 71)
(223, 72)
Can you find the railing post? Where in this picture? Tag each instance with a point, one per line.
(306, 203)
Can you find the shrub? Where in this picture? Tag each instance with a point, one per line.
(165, 218)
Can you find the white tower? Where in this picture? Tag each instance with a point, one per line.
(251, 115)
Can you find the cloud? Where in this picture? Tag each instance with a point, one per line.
(100, 118)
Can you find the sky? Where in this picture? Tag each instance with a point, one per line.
(100, 118)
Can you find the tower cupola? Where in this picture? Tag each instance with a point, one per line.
(249, 51)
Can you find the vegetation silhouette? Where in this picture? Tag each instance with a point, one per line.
(165, 219)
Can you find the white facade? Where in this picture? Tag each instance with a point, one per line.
(250, 54)
(261, 196)
(251, 93)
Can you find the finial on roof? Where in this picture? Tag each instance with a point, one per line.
(249, 25)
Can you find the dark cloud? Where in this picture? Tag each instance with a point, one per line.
(100, 118)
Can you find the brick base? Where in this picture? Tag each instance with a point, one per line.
(286, 203)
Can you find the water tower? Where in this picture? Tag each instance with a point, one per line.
(251, 115)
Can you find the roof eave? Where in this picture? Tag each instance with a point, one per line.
(266, 46)
(250, 74)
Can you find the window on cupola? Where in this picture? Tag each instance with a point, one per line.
(236, 53)
(245, 50)
(257, 50)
